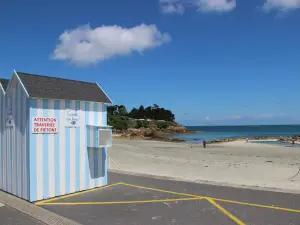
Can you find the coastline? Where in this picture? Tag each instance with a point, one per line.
(166, 136)
(178, 133)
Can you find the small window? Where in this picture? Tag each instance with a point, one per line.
(105, 137)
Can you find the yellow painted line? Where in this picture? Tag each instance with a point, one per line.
(75, 194)
(164, 191)
(193, 197)
(215, 199)
(257, 205)
(232, 217)
(120, 202)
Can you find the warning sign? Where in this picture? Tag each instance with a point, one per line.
(44, 125)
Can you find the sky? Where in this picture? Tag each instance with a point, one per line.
(212, 62)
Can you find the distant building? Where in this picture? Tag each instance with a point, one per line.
(54, 136)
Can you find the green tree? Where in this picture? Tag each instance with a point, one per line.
(154, 112)
(122, 111)
(134, 113)
(141, 112)
(155, 106)
(149, 112)
(112, 110)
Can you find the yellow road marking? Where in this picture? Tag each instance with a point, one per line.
(215, 199)
(257, 205)
(161, 190)
(193, 197)
(74, 194)
(121, 202)
(232, 217)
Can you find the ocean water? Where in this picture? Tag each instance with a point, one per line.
(209, 133)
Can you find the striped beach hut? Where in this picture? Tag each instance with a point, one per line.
(54, 136)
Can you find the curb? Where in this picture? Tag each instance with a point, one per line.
(213, 183)
(34, 211)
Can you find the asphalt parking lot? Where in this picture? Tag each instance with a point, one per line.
(140, 200)
(11, 216)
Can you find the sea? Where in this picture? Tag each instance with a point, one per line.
(210, 133)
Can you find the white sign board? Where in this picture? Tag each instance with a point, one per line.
(44, 125)
(72, 118)
(9, 117)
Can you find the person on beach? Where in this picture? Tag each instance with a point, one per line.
(204, 144)
(293, 142)
(247, 140)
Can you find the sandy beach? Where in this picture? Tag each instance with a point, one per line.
(234, 164)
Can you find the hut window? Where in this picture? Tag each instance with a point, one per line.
(105, 137)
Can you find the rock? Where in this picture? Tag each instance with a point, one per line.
(176, 140)
(240, 139)
(177, 129)
(196, 139)
(297, 137)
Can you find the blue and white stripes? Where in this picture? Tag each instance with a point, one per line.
(13, 148)
(64, 163)
(2, 158)
(40, 166)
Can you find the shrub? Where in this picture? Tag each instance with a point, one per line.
(120, 125)
(131, 123)
(162, 125)
(145, 124)
(142, 123)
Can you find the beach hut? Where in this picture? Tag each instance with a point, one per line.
(54, 136)
(3, 85)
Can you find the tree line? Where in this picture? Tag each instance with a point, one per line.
(150, 112)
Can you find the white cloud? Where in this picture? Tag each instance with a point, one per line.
(85, 45)
(178, 6)
(281, 5)
(216, 5)
(172, 6)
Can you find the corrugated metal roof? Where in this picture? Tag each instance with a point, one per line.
(4, 83)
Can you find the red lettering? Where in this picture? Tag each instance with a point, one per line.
(44, 125)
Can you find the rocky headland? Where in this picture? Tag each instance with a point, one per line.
(153, 133)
